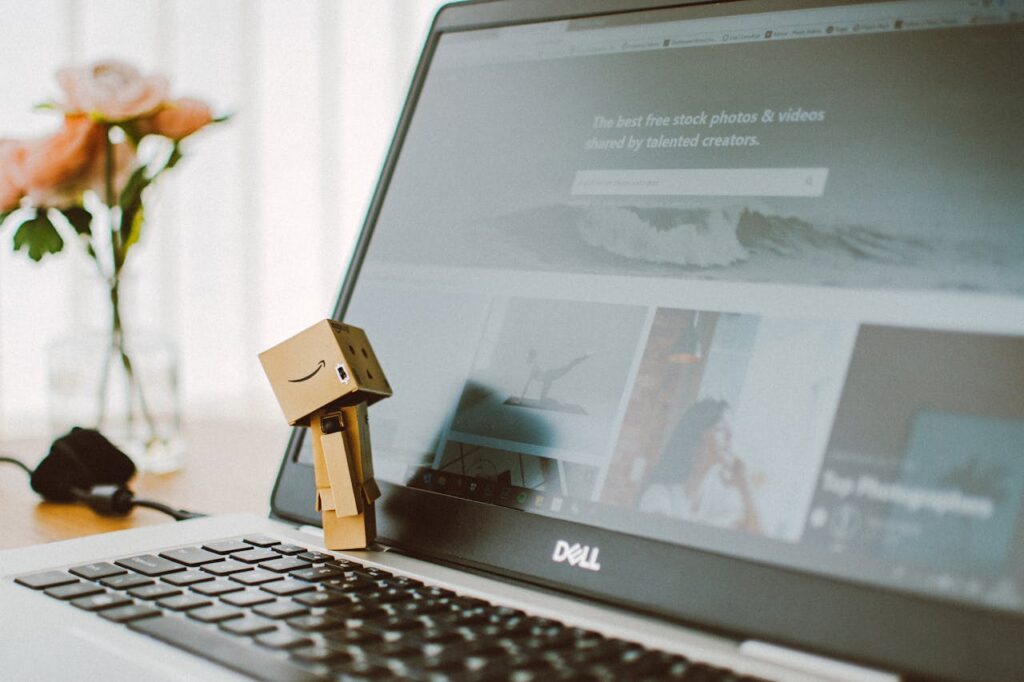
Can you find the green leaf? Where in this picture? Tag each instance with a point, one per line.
(174, 158)
(39, 237)
(79, 218)
(132, 191)
(131, 131)
(3, 217)
(136, 231)
(131, 201)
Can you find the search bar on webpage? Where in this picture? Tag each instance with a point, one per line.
(703, 182)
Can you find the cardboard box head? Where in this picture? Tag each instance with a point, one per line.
(328, 364)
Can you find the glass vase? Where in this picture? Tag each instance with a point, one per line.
(123, 382)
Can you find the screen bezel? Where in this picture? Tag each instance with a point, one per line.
(871, 625)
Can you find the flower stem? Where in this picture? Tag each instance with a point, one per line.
(114, 224)
(119, 349)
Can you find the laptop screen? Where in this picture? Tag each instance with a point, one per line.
(748, 283)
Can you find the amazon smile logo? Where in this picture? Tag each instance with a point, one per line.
(320, 365)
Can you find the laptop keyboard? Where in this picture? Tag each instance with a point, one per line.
(278, 611)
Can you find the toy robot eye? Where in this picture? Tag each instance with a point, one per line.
(342, 374)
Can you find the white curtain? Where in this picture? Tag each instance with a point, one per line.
(248, 238)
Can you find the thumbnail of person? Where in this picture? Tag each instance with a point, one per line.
(698, 477)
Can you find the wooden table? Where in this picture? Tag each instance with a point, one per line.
(229, 468)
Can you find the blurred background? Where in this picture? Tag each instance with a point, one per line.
(248, 239)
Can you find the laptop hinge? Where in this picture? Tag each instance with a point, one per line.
(818, 666)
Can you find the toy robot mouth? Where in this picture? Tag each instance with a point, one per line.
(342, 374)
(320, 365)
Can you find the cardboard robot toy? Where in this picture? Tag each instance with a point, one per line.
(324, 378)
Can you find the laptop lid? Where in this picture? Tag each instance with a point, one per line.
(715, 311)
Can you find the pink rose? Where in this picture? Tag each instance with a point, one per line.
(111, 91)
(55, 166)
(12, 173)
(178, 119)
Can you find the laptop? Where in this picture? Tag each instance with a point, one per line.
(705, 323)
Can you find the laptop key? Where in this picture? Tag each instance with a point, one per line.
(347, 586)
(577, 659)
(223, 649)
(438, 636)
(99, 602)
(226, 567)
(254, 556)
(150, 564)
(692, 672)
(393, 624)
(261, 540)
(281, 609)
(184, 602)
(288, 550)
(217, 588)
(215, 613)
(129, 613)
(190, 577)
(343, 563)
(351, 637)
(394, 651)
(284, 564)
(316, 573)
(360, 670)
(126, 581)
(315, 623)
(321, 598)
(191, 556)
(361, 611)
(41, 581)
(283, 639)
(96, 571)
(553, 643)
(320, 654)
(434, 592)
(247, 598)
(529, 664)
(454, 619)
(483, 649)
(646, 663)
(388, 596)
(284, 588)
(402, 581)
(157, 591)
(226, 547)
(315, 557)
(256, 577)
(423, 607)
(248, 625)
(74, 590)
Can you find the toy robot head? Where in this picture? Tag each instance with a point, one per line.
(328, 364)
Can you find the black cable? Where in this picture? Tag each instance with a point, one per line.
(112, 500)
(178, 514)
(18, 462)
(105, 496)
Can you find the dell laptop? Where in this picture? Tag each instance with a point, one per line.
(705, 322)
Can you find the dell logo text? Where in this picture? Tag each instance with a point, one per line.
(581, 556)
